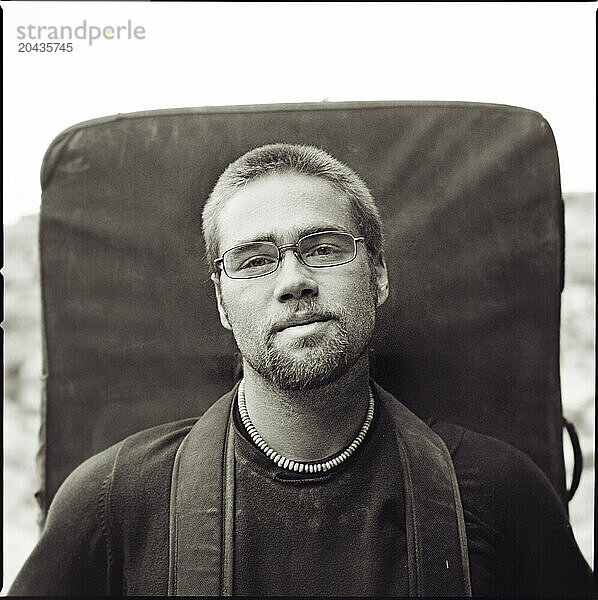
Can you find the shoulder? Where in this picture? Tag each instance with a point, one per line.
(491, 460)
(463, 444)
(142, 451)
(142, 464)
(153, 445)
(78, 546)
(499, 482)
(470, 448)
(511, 506)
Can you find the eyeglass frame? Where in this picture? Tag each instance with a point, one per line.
(219, 262)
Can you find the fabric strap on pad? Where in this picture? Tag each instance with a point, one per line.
(202, 507)
(436, 538)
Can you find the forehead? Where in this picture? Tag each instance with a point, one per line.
(281, 207)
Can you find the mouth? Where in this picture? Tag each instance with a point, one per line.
(298, 322)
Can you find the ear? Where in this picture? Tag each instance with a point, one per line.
(223, 318)
(381, 279)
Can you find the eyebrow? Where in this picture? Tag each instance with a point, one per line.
(270, 236)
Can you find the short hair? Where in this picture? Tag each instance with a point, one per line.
(307, 160)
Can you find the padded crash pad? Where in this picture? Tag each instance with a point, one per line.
(473, 221)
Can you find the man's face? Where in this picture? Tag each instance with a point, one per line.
(298, 327)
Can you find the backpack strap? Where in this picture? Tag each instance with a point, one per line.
(202, 507)
(438, 559)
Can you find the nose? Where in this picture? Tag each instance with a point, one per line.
(294, 280)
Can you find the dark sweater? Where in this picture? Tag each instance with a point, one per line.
(337, 534)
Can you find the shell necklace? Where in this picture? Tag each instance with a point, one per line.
(294, 465)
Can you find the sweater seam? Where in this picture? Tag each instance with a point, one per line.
(460, 440)
(106, 521)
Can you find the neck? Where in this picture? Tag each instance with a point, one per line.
(309, 425)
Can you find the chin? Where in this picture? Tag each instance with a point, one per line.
(307, 364)
(300, 381)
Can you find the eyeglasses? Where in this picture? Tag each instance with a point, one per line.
(317, 250)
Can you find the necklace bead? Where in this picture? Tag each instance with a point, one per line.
(293, 465)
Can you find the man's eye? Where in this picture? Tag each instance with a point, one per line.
(255, 262)
(323, 250)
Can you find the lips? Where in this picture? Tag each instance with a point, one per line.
(299, 320)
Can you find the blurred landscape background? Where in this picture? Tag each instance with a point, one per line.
(22, 370)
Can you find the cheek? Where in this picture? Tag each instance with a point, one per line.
(243, 304)
(355, 296)
(361, 287)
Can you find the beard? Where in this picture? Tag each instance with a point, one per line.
(311, 361)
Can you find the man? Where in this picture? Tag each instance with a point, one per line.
(307, 478)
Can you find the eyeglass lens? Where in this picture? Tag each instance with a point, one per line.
(317, 250)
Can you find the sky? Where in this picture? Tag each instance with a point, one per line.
(534, 55)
